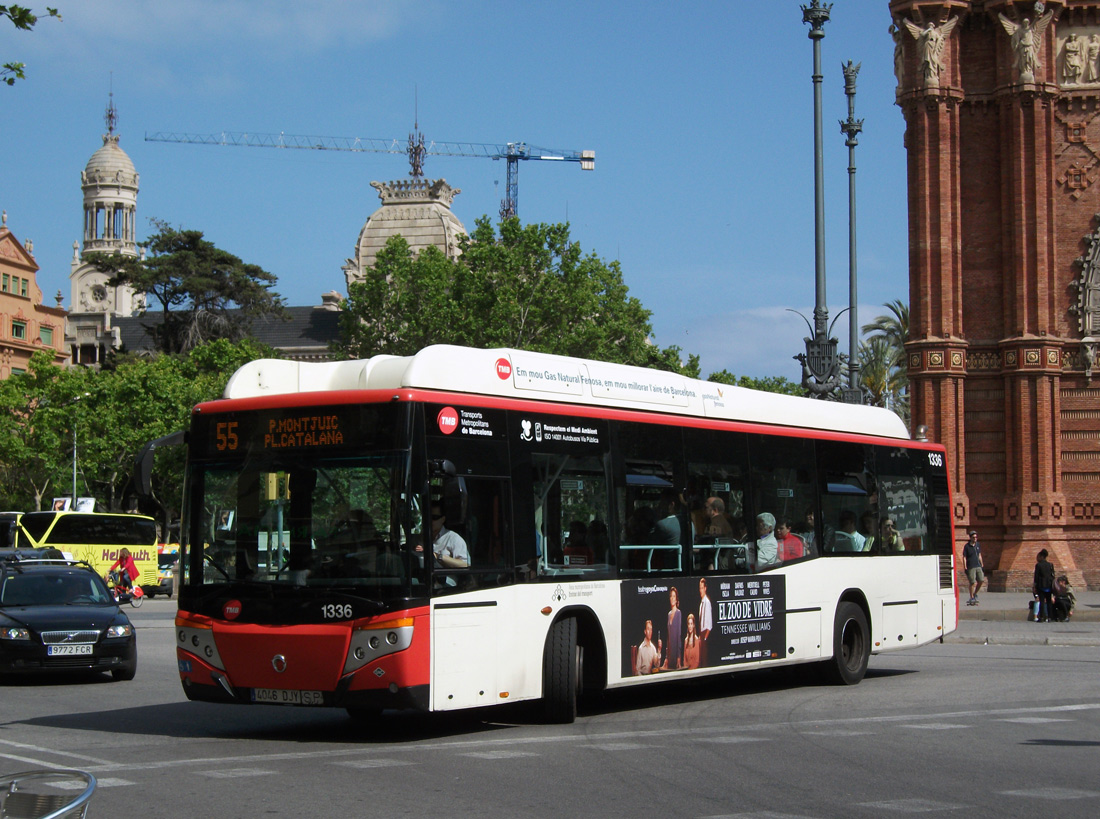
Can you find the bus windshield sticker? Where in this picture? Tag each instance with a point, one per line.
(685, 623)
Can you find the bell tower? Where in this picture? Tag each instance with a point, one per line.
(110, 186)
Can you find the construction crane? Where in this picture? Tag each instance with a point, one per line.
(415, 149)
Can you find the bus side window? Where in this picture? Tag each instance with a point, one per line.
(783, 492)
(716, 497)
(904, 493)
(655, 522)
(571, 505)
(849, 498)
(483, 532)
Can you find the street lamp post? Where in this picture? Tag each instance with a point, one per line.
(820, 363)
(75, 400)
(851, 128)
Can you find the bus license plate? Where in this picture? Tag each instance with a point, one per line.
(64, 651)
(283, 696)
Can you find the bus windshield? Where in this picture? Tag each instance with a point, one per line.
(344, 523)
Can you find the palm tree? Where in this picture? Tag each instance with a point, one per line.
(894, 327)
(882, 375)
(882, 359)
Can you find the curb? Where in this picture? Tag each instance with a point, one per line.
(1024, 640)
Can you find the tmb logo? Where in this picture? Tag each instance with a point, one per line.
(504, 369)
(447, 420)
(231, 610)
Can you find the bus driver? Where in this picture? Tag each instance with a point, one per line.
(449, 547)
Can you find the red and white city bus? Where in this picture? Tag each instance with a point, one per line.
(466, 527)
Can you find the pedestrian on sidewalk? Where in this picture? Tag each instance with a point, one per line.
(1044, 584)
(975, 571)
(1064, 599)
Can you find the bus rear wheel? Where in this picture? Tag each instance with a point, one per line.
(851, 645)
(561, 672)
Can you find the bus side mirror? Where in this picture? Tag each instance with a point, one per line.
(143, 463)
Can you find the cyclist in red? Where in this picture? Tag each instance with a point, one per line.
(128, 570)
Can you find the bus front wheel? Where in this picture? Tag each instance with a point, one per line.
(851, 645)
(561, 672)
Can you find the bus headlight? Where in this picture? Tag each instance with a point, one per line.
(200, 642)
(374, 640)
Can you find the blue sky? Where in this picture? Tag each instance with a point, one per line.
(700, 114)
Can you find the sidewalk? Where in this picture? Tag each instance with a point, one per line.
(1000, 618)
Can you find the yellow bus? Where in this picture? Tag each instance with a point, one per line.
(95, 537)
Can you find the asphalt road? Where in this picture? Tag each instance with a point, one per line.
(953, 729)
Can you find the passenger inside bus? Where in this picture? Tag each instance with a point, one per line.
(667, 530)
(847, 538)
(767, 548)
(791, 546)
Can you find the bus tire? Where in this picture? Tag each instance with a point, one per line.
(561, 672)
(851, 645)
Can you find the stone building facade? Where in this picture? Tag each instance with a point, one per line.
(1002, 107)
(418, 209)
(26, 324)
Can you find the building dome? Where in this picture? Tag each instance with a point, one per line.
(110, 164)
(417, 209)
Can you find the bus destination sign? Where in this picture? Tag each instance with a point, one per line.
(292, 428)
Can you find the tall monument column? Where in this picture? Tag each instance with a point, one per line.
(1002, 104)
(926, 63)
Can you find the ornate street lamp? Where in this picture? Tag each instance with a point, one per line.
(851, 128)
(820, 362)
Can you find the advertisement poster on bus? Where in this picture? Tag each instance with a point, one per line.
(699, 622)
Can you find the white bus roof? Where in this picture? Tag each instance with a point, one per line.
(519, 374)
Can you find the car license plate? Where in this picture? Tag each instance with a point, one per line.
(61, 651)
(284, 696)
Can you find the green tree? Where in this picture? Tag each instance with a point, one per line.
(23, 19)
(203, 292)
(114, 412)
(769, 383)
(529, 288)
(38, 412)
(882, 359)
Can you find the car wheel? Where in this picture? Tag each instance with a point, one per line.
(126, 671)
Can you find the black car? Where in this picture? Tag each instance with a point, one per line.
(58, 615)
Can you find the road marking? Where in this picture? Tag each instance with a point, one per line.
(764, 814)
(499, 754)
(1034, 720)
(452, 746)
(731, 740)
(99, 783)
(39, 749)
(912, 805)
(235, 773)
(838, 732)
(936, 726)
(1059, 794)
(376, 763)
